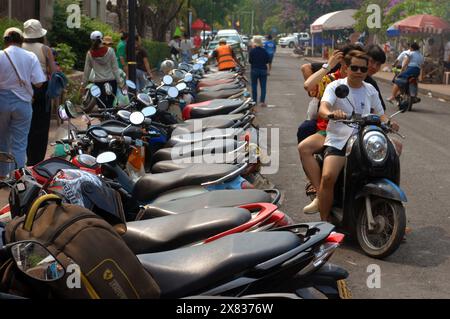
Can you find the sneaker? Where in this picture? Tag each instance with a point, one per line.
(312, 208)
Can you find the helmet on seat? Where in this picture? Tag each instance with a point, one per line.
(167, 66)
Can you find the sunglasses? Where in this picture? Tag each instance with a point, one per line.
(355, 68)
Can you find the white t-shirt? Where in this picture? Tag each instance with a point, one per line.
(415, 59)
(361, 101)
(402, 56)
(28, 67)
(447, 52)
(186, 45)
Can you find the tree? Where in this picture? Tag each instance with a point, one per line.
(158, 14)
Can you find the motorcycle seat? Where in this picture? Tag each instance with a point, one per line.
(193, 270)
(213, 82)
(220, 75)
(222, 94)
(205, 148)
(220, 121)
(208, 134)
(171, 232)
(219, 87)
(113, 127)
(215, 107)
(152, 185)
(219, 198)
(168, 166)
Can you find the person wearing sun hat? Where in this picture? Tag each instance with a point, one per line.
(19, 69)
(34, 35)
(103, 61)
(108, 41)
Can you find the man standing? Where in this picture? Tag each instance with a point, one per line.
(122, 52)
(19, 69)
(365, 98)
(224, 54)
(271, 48)
(447, 54)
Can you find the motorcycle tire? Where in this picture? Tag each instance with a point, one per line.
(410, 100)
(88, 104)
(398, 228)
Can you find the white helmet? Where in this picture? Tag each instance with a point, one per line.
(167, 66)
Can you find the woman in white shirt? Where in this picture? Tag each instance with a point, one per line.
(19, 69)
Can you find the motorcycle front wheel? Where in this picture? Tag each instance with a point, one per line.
(389, 230)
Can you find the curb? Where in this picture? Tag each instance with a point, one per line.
(422, 91)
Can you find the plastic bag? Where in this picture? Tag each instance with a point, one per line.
(121, 99)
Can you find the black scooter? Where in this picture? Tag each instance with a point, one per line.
(368, 199)
(290, 262)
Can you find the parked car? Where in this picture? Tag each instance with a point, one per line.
(295, 39)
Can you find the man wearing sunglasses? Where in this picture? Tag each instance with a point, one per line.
(363, 98)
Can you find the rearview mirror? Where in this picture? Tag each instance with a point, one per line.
(197, 67)
(36, 261)
(342, 91)
(181, 86)
(188, 77)
(149, 111)
(167, 80)
(172, 92)
(195, 56)
(106, 157)
(95, 91)
(144, 99)
(137, 118)
(131, 84)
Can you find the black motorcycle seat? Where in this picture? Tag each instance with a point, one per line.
(218, 121)
(215, 108)
(171, 232)
(205, 148)
(220, 75)
(219, 103)
(193, 270)
(219, 198)
(219, 87)
(152, 185)
(168, 166)
(222, 94)
(113, 127)
(209, 134)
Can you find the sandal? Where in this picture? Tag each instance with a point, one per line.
(310, 189)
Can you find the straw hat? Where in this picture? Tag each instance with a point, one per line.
(257, 41)
(108, 40)
(32, 29)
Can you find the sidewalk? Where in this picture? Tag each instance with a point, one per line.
(440, 91)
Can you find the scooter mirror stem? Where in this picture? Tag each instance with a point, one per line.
(395, 114)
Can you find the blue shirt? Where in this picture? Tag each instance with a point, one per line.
(259, 58)
(415, 59)
(270, 47)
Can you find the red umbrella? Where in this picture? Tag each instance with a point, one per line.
(200, 25)
(423, 23)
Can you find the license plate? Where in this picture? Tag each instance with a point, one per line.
(344, 291)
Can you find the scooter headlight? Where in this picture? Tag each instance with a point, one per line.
(376, 146)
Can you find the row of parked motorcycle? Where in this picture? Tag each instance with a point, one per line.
(178, 190)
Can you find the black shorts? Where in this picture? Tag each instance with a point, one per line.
(333, 151)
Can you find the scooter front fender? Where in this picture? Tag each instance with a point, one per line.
(383, 188)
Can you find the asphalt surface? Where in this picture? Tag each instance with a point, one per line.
(420, 267)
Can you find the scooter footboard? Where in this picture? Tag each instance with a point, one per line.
(383, 188)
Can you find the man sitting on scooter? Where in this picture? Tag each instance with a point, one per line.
(410, 68)
(364, 97)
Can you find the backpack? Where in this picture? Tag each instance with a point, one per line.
(75, 235)
(58, 82)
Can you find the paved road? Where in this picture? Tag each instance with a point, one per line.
(420, 268)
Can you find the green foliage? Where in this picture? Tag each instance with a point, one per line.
(157, 52)
(66, 58)
(79, 39)
(5, 23)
